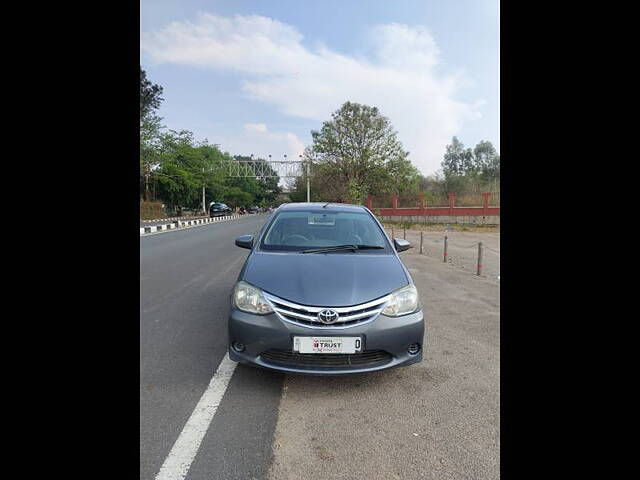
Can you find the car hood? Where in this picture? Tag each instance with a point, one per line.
(332, 280)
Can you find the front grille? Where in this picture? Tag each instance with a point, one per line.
(288, 358)
(307, 316)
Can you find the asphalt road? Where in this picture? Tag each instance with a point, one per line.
(437, 419)
(186, 279)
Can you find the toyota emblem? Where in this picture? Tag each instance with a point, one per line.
(328, 316)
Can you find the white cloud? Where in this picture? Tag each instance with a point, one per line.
(255, 127)
(258, 140)
(402, 79)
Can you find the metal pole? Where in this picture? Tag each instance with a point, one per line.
(404, 235)
(308, 187)
(204, 206)
(421, 240)
(479, 258)
(445, 249)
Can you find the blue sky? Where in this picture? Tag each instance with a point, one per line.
(258, 76)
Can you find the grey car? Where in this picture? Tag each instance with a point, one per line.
(323, 291)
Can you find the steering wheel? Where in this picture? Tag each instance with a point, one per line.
(295, 236)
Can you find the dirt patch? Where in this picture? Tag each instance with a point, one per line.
(462, 249)
(438, 419)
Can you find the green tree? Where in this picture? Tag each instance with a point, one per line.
(360, 149)
(150, 98)
(468, 171)
(179, 172)
(150, 132)
(487, 160)
(354, 155)
(457, 159)
(404, 177)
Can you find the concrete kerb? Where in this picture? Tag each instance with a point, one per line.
(178, 224)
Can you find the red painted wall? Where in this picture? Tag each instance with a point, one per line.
(439, 211)
(451, 210)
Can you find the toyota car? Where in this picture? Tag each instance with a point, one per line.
(323, 291)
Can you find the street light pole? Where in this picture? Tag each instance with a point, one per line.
(204, 207)
(308, 186)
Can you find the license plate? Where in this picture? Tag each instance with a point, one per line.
(327, 344)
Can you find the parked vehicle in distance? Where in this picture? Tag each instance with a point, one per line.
(254, 209)
(219, 210)
(323, 291)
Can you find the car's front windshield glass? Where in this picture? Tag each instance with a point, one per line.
(300, 231)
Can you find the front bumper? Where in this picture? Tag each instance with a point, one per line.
(261, 333)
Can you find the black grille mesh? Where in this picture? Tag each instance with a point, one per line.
(368, 358)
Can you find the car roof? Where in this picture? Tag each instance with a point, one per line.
(320, 206)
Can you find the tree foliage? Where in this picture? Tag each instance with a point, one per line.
(150, 98)
(483, 160)
(174, 167)
(466, 171)
(356, 153)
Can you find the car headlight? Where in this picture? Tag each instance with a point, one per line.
(250, 299)
(402, 302)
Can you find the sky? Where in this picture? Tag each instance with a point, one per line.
(257, 76)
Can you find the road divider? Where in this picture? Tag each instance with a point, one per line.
(179, 224)
(172, 218)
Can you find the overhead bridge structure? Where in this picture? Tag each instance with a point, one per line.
(270, 169)
(266, 169)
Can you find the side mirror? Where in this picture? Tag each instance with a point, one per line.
(245, 241)
(401, 244)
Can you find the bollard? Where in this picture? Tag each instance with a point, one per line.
(445, 249)
(404, 234)
(421, 240)
(392, 233)
(479, 258)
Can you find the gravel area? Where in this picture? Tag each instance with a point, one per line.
(462, 250)
(438, 419)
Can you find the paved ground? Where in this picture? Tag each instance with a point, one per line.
(437, 419)
(185, 283)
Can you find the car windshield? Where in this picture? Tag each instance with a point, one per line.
(306, 230)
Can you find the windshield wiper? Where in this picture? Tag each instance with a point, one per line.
(342, 247)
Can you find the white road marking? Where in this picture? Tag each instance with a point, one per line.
(177, 464)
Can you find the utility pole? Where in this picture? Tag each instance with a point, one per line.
(204, 208)
(308, 186)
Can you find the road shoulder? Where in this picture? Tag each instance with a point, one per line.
(437, 419)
